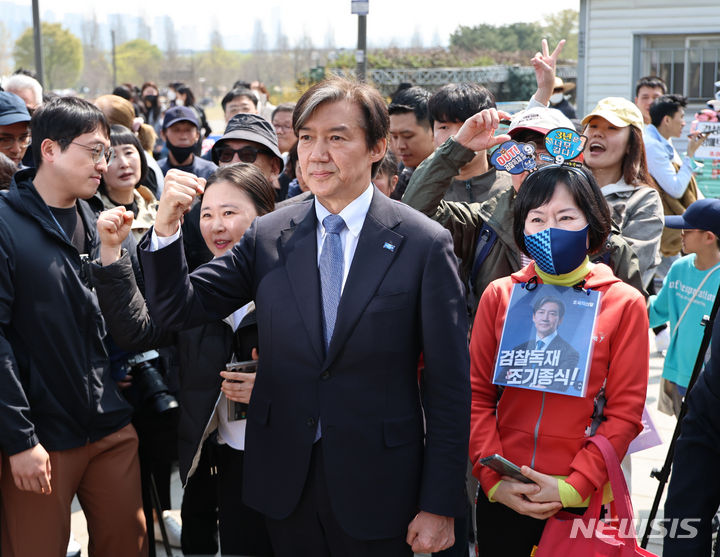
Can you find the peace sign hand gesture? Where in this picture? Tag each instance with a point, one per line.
(544, 65)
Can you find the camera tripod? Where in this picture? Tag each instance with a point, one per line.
(663, 474)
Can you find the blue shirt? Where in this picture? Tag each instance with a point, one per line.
(678, 288)
(660, 155)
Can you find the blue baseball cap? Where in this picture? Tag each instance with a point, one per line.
(180, 114)
(12, 109)
(703, 214)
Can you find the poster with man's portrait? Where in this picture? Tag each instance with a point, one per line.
(546, 343)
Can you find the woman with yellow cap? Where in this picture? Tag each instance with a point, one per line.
(615, 153)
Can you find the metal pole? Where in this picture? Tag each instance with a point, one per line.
(361, 54)
(37, 34)
(114, 62)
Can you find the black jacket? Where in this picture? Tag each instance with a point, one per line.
(55, 388)
(202, 352)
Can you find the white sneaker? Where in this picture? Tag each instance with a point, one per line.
(173, 528)
(73, 549)
(662, 340)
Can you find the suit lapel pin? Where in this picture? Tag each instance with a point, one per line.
(388, 246)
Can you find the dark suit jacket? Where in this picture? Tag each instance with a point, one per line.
(569, 357)
(402, 297)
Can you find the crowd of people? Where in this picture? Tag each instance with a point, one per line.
(310, 314)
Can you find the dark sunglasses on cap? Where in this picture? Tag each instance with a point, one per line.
(245, 154)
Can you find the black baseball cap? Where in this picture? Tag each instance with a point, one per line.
(12, 109)
(703, 214)
(250, 127)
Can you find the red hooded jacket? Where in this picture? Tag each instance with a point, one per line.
(551, 427)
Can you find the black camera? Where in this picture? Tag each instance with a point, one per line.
(150, 382)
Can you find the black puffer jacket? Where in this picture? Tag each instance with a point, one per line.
(55, 385)
(202, 352)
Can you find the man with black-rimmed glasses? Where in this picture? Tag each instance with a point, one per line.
(64, 426)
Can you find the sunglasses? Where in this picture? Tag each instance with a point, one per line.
(245, 154)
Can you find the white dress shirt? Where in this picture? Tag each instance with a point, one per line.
(231, 432)
(354, 216)
(545, 340)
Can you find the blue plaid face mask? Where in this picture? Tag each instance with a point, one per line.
(557, 251)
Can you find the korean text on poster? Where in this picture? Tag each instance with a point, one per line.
(546, 343)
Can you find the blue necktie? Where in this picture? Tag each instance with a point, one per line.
(539, 344)
(331, 272)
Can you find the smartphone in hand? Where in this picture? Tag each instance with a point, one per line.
(238, 410)
(505, 468)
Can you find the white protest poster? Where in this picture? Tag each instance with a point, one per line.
(710, 149)
(546, 343)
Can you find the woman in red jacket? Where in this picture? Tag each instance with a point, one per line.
(560, 216)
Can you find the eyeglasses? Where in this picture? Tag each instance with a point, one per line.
(245, 154)
(280, 127)
(7, 141)
(98, 152)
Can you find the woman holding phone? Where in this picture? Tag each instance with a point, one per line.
(560, 215)
(233, 197)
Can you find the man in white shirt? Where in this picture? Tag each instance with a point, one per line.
(673, 174)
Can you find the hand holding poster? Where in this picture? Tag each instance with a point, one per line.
(546, 342)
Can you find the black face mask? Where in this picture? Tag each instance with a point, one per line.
(180, 153)
(151, 100)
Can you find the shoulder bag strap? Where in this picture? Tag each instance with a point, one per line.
(697, 291)
(623, 504)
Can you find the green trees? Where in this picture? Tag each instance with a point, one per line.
(137, 61)
(506, 38)
(520, 36)
(62, 55)
(563, 25)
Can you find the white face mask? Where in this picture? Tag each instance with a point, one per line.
(179, 102)
(171, 95)
(556, 98)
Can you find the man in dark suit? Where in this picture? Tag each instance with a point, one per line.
(347, 452)
(548, 313)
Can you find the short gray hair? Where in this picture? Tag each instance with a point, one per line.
(20, 82)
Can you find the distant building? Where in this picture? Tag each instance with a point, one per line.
(622, 40)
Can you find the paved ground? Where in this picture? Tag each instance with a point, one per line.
(643, 486)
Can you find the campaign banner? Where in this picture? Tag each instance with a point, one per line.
(546, 343)
(710, 149)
